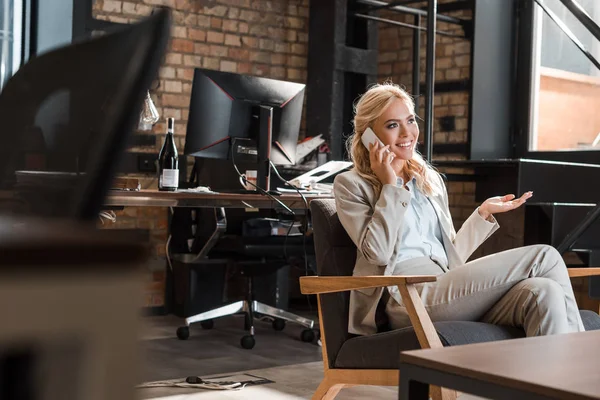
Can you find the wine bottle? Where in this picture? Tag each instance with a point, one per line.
(168, 161)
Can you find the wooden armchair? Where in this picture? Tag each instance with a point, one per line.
(351, 360)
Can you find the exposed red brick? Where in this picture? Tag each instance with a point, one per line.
(197, 34)
(182, 45)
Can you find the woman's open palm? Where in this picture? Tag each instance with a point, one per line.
(500, 204)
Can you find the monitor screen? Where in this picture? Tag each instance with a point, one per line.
(225, 105)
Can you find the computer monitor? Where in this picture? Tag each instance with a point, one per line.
(251, 119)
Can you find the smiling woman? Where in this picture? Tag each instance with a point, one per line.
(394, 207)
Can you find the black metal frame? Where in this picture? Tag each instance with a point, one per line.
(392, 4)
(376, 4)
(405, 25)
(527, 22)
(28, 43)
(568, 32)
(429, 78)
(583, 17)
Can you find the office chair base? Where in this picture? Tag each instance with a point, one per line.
(249, 308)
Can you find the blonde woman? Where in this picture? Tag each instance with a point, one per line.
(394, 207)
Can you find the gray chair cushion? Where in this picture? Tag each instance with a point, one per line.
(381, 351)
(591, 320)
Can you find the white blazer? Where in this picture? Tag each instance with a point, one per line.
(375, 225)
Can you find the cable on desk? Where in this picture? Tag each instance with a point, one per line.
(242, 179)
(261, 190)
(167, 248)
(306, 216)
(109, 215)
(306, 220)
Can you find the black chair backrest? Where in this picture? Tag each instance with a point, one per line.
(67, 115)
(336, 255)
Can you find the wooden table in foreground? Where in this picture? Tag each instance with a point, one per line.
(154, 198)
(565, 367)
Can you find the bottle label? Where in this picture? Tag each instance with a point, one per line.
(169, 178)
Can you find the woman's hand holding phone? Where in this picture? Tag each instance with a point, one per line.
(380, 157)
(381, 163)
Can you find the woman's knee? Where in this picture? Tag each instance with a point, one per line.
(547, 292)
(549, 256)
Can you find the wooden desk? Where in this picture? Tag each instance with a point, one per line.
(219, 201)
(154, 198)
(549, 367)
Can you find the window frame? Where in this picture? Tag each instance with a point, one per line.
(527, 82)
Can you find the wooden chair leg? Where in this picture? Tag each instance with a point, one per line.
(327, 390)
(438, 393)
(425, 331)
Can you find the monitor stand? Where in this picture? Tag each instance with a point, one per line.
(216, 173)
(263, 147)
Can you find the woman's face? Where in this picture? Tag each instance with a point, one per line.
(397, 127)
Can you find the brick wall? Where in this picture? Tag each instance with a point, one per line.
(255, 37)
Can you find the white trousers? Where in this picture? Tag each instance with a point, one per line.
(527, 287)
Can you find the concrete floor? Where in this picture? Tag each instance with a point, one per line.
(295, 367)
(218, 350)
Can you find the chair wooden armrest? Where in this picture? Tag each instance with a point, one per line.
(419, 318)
(579, 272)
(332, 284)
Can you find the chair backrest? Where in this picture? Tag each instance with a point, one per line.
(336, 255)
(67, 115)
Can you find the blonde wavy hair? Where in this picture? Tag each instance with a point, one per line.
(369, 107)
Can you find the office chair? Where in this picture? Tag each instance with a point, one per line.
(222, 243)
(67, 114)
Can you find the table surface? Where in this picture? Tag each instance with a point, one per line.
(63, 244)
(561, 366)
(156, 198)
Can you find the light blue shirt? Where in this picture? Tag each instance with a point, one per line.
(421, 232)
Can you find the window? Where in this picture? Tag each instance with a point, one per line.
(11, 35)
(565, 98)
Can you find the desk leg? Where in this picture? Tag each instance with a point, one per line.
(412, 390)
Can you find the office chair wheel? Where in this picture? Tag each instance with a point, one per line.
(308, 335)
(183, 333)
(248, 342)
(278, 324)
(208, 324)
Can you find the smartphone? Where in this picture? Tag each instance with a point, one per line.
(370, 137)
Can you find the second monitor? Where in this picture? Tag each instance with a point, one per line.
(252, 120)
